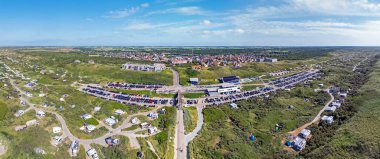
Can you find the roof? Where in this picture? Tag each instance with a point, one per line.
(194, 80)
(230, 78)
(306, 132)
(213, 93)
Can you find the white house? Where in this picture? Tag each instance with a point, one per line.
(305, 133)
(57, 130)
(111, 121)
(134, 120)
(41, 95)
(152, 130)
(31, 122)
(299, 144)
(90, 128)
(144, 125)
(119, 112)
(330, 109)
(328, 119)
(336, 104)
(97, 109)
(343, 94)
(86, 116)
(92, 153)
(40, 113)
(234, 105)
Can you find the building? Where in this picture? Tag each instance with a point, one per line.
(328, 119)
(343, 94)
(144, 125)
(40, 113)
(152, 130)
(230, 79)
(110, 141)
(92, 153)
(194, 81)
(90, 128)
(299, 144)
(143, 67)
(330, 109)
(305, 133)
(57, 130)
(228, 89)
(86, 116)
(96, 109)
(270, 60)
(119, 112)
(31, 122)
(234, 105)
(134, 120)
(153, 115)
(111, 121)
(336, 104)
(196, 67)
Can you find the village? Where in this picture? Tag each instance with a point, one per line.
(100, 125)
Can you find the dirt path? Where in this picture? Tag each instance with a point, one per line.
(316, 119)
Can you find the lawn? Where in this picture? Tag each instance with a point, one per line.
(3, 110)
(191, 118)
(150, 93)
(193, 95)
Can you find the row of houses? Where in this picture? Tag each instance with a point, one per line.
(157, 67)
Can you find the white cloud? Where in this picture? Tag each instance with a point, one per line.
(206, 22)
(190, 10)
(144, 5)
(126, 12)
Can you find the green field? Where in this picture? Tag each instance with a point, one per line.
(193, 95)
(3, 110)
(190, 118)
(149, 93)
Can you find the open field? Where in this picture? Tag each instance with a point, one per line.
(191, 118)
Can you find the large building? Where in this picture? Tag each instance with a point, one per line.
(143, 67)
(230, 79)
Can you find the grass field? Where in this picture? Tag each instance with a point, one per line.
(3, 110)
(190, 118)
(250, 87)
(193, 95)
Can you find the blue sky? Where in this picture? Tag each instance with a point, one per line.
(190, 22)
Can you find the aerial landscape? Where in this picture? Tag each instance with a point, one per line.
(191, 79)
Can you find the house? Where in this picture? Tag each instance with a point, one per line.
(119, 112)
(153, 115)
(111, 121)
(194, 81)
(86, 116)
(144, 125)
(321, 85)
(142, 67)
(31, 122)
(58, 139)
(40, 113)
(270, 60)
(336, 104)
(196, 67)
(57, 130)
(328, 119)
(110, 141)
(299, 144)
(343, 94)
(234, 105)
(90, 128)
(305, 133)
(152, 130)
(96, 109)
(134, 120)
(41, 95)
(334, 89)
(92, 153)
(162, 111)
(74, 147)
(330, 109)
(230, 79)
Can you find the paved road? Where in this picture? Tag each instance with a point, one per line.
(175, 78)
(180, 146)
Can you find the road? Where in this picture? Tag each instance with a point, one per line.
(180, 146)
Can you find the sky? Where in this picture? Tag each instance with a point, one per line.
(190, 23)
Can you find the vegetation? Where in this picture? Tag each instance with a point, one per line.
(193, 95)
(191, 118)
